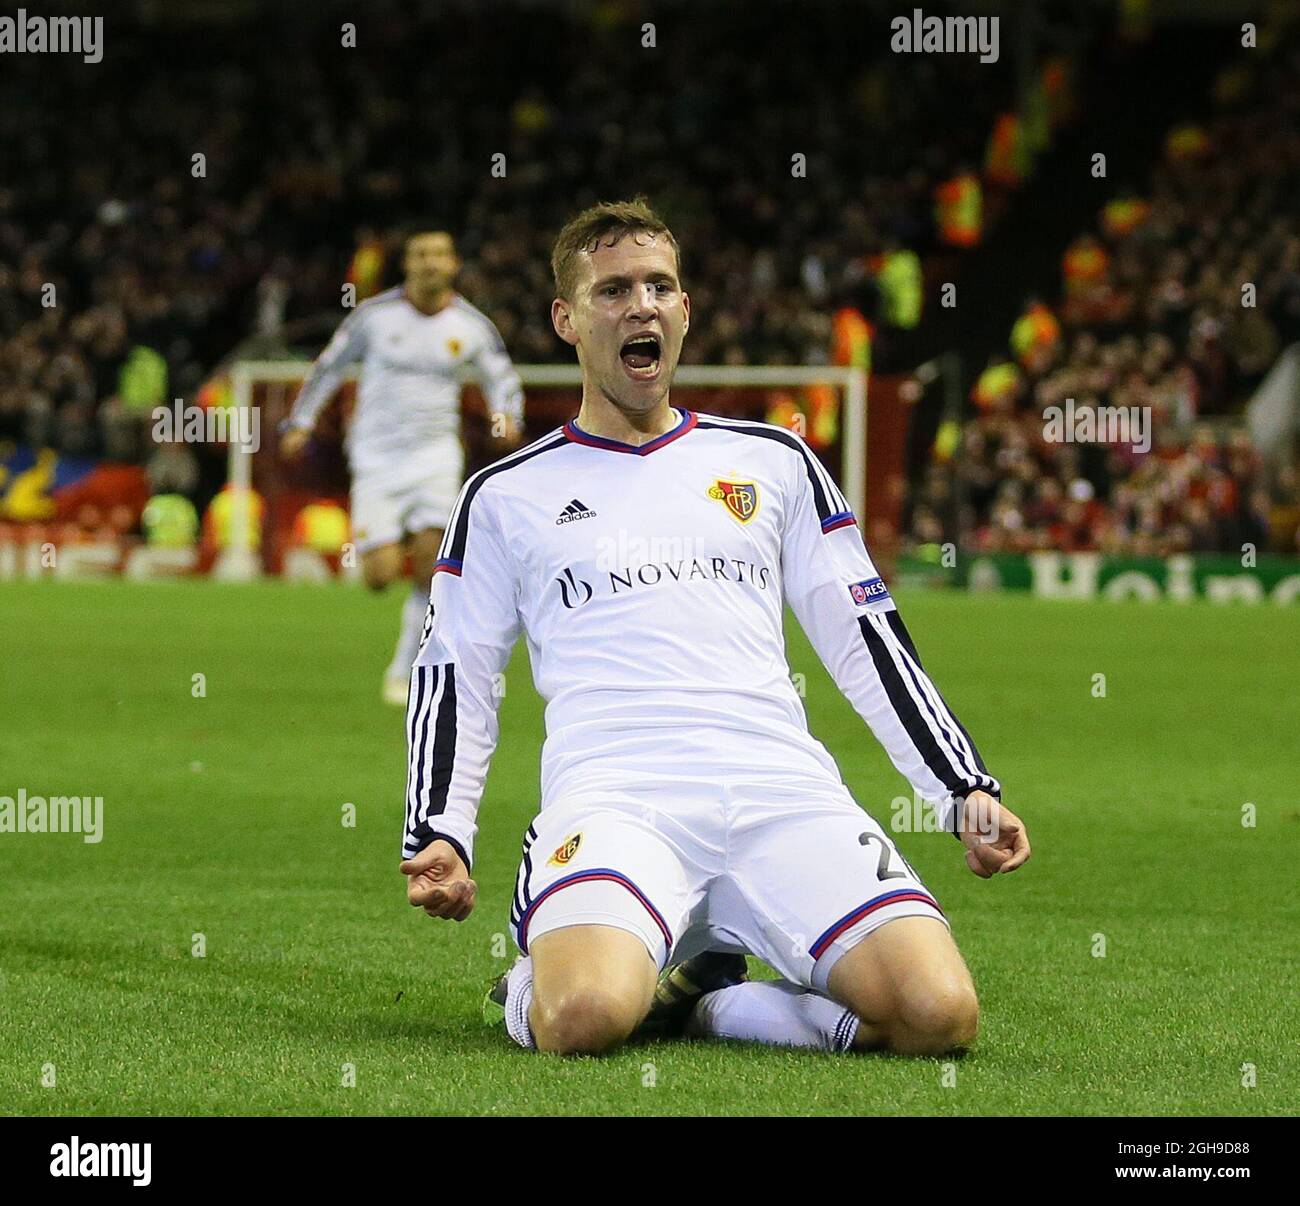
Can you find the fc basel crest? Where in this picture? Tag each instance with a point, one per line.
(566, 851)
(741, 498)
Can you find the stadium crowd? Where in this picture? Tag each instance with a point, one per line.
(1173, 309)
(225, 195)
(233, 183)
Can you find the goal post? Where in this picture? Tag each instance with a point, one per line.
(268, 386)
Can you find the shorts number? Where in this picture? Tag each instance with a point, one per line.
(883, 871)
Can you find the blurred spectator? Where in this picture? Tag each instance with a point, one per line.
(902, 289)
(170, 521)
(959, 209)
(1035, 336)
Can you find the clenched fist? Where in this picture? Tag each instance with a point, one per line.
(994, 837)
(438, 882)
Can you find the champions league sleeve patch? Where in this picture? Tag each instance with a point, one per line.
(873, 590)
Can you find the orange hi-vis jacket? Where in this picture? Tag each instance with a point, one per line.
(366, 272)
(1006, 161)
(1085, 263)
(959, 210)
(851, 339)
(1036, 328)
(1124, 215)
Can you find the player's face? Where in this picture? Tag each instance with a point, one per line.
(627, 318)
(431, 262)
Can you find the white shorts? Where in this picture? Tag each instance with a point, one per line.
(414, 495)
(790, 870)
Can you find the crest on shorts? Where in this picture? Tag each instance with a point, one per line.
(565, 851)
(453, 347)
(741, 498)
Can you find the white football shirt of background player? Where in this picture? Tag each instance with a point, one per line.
(403, 443)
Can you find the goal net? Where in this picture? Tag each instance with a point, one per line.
(289, 519)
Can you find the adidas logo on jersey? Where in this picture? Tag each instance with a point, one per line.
(574, 511)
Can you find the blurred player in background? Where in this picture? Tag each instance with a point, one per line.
(415, 342)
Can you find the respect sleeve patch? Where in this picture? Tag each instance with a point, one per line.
(873, 590)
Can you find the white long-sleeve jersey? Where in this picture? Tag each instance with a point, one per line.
(650, 583)
(413, 364)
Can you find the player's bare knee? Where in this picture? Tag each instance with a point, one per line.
(584, 1021)
(939, 1021)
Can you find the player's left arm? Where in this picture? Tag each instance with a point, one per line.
(843, 605)
(502, 387)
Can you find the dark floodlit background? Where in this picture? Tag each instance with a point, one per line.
(1122, 289)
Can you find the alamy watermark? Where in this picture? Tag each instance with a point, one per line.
(181, 424)
(53, 814)
(633, 549)
(90, 1158)
(915, 814)
(26, 34)
(1086, 424)
(919, 34)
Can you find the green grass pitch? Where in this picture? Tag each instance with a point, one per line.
(223, 817)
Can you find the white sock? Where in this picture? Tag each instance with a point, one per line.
(775, 1012)
(519, 998)
(408, 640)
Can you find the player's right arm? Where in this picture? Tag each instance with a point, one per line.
(347, 347)
(451, 713)
(502, 387)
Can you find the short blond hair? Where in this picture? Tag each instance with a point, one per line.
(607, 222)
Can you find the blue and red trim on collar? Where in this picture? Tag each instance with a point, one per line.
(578, 436)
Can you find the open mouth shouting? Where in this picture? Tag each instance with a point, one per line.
(640, 356)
